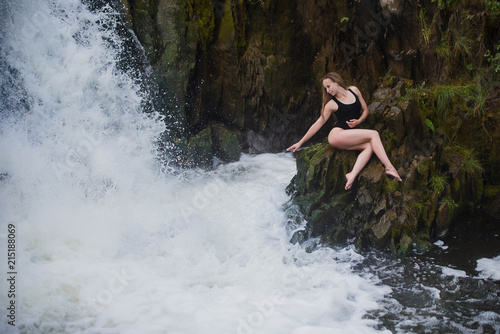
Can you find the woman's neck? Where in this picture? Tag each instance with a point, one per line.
(341, 93)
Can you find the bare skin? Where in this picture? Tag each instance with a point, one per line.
(364, 140)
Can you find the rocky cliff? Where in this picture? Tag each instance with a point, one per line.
(255, 66)
(244, 76)
(441, 179)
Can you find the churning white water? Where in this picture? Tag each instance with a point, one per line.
(104, 242)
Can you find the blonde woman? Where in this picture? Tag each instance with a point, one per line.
(351, 110)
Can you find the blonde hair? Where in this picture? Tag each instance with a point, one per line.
(335, 77)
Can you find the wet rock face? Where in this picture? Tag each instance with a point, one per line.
(379, 212)
(256, 66)
(393, 6)
(245, 76)
(209, 147)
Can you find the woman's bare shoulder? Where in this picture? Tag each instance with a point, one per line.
(331, 105)
(355, 89)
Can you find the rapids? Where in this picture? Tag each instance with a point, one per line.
(108, 240)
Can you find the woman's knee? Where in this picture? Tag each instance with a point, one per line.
(333, 142)
(374, 134)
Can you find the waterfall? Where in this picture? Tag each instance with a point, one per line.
(105, 241)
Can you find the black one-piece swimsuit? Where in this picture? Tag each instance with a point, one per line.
(346, 112)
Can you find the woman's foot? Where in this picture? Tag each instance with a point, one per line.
(351, 177)
(392, 172)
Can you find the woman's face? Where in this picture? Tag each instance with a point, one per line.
(331, 87)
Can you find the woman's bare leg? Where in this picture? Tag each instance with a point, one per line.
(361, 162)
(353, 138)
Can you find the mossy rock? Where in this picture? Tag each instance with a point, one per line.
(144, 28)
(440, 182)
(226, 143)
(200, 149)
(382, 229)
(214, 141)
(492, 200)
(405, 245)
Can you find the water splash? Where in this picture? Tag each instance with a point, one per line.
(109, 244)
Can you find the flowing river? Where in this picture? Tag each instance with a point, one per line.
(100, 237)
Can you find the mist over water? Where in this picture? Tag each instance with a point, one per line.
(106, 242)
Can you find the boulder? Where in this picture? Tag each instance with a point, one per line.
(213, 144)
(379, 212)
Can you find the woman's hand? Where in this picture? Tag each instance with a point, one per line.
(295, 147)
(353, 123)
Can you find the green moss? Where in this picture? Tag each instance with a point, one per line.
(142, 5)
(200, 148)
(226, 143)
(448, 96)
(405, 244)
(226, 30)
(425, 168)
(390, 140)
(445, 179)
(452, 206)
(491, 191)
(448, 5)
(467, 176)
(492, 8)
(389, 186)
(466, 159)
(328, 218)
(416, 210)
(493, 57)
(422, 243)
(456, 185)
(438, 183)
(389, 81)
(426, 28)
(455, 109)
(201, 14)
(481, 88)
(443, 50)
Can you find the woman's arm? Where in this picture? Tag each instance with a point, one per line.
(314, 128)
(364, 109)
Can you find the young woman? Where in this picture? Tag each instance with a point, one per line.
(351, 110)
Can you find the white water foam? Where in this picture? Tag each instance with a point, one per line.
(489, 268)
(106, 244)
